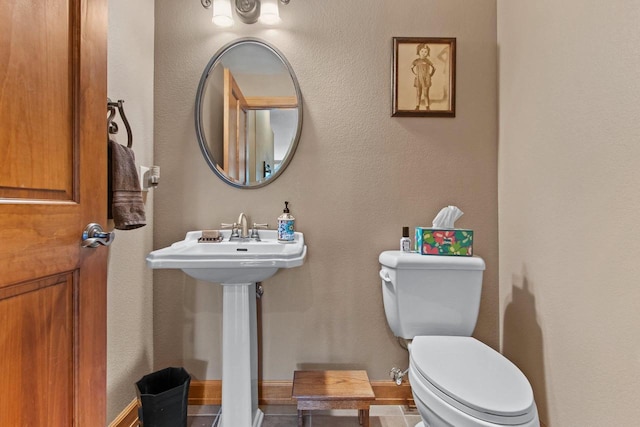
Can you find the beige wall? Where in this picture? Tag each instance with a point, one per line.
(569, 202)
(357, 177)
(129, 288)
(568, 139)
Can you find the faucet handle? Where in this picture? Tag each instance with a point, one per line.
(233, 227)
(254, 230)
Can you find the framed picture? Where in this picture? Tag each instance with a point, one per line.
(424, 77)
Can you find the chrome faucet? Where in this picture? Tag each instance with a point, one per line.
(242, 223)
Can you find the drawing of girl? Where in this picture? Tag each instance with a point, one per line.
(423, 69)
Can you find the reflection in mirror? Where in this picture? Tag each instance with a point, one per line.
(248, 113)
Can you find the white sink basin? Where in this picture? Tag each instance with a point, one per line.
(231, 262)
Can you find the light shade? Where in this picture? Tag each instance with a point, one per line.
(222, 13)
(269, 13)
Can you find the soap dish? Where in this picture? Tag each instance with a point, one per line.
(210, 236)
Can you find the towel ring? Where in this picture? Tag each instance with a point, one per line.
(112, 127)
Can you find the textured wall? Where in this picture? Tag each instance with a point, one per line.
(130, 291)
(569, 202)
(357, 177)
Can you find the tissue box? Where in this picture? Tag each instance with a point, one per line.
(436, 241)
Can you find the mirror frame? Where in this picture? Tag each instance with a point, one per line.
(202, 139)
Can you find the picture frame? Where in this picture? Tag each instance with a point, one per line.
(424, 77)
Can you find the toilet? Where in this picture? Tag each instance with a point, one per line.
(432, 302)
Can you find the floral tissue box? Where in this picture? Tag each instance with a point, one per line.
(436, 241)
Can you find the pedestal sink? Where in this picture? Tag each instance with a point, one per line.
(236, 265)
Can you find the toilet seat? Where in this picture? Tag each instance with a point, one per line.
(473, 378)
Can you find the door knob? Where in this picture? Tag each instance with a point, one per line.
(94, 236)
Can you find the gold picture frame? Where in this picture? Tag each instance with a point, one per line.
(424, 77)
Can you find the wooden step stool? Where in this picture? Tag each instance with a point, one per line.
(315, 390)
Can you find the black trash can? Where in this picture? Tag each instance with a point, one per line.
(163, 398)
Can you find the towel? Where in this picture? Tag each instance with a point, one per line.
(127, 207)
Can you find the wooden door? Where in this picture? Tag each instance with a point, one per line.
(234, 134)
(52, 184)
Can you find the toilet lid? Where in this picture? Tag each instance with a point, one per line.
(474, 378)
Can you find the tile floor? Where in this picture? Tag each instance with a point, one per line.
(287, 416)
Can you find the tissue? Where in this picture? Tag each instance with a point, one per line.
(443, 238)
(447, 217)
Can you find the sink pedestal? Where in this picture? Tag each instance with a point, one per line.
(240, 357)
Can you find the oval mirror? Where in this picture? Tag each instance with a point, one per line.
(248, 113)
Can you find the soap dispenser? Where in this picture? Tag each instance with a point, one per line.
(286, 226)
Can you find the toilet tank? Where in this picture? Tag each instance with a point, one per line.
(430, 294)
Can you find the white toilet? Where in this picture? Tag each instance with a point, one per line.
(456, 380)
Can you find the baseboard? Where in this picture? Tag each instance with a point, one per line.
(389, 393)
(279, 393)
(128, 417)
(271, 392)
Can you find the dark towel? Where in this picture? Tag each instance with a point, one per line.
(127, 207)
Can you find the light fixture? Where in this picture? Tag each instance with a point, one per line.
(269, 13)
(222, 13)
(249, 11)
